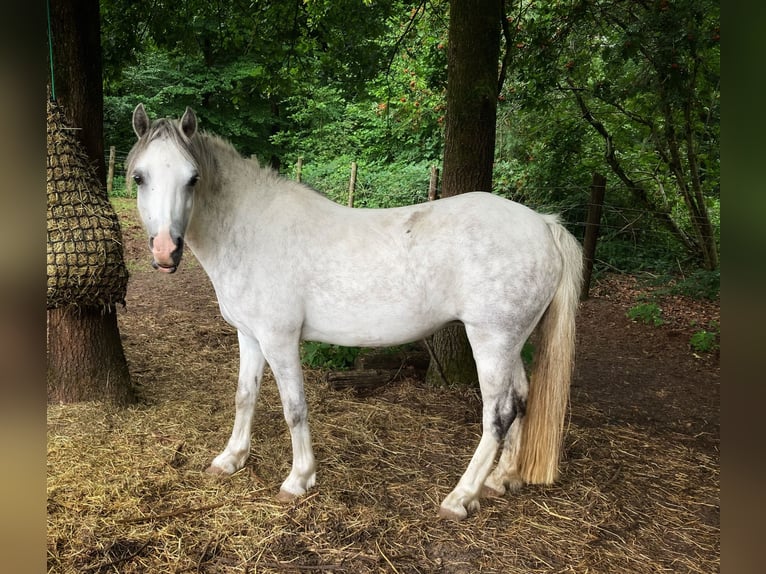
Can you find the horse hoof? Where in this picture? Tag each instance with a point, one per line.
(447, 514)
(213, 470)
(489, 492)
(285, 496)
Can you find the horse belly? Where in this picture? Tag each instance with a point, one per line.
(370, 327)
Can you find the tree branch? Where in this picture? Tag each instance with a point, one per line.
(638, 191)
(507, 56)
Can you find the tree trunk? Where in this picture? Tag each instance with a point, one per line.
(85, 356)
(592, 226)
(472, 68)
(469, 146)
(76, 39)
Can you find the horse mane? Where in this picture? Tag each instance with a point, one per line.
(203, 149)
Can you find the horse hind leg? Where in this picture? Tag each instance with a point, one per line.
(502, 402)
(506, 477)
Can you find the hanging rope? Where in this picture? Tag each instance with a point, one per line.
(50, 50)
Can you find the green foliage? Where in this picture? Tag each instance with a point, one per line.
(239, 67)
(527, 353)
(700, 284)
(647, 313)
(377, 185)
(392, 184)
(326, 356)
(649, 76)
(706, 341)
(166, 86)
(119, 189)
(354, 80)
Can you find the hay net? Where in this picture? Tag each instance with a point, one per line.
(85, 262)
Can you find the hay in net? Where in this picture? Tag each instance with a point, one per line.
(85, 265)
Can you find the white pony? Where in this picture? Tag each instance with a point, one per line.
(288, 264)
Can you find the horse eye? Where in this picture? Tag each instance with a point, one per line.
(139, 179)
(193, 180)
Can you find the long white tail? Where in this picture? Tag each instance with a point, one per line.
(543, 426)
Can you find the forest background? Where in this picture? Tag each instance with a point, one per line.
(627, 89)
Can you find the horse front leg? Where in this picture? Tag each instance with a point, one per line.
(285, 363)
(251, 365)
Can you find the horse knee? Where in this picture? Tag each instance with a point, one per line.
(295, 413)
(244, 397)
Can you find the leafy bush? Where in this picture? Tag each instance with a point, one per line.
(528, 353)
(119, 189)
(706, 341)
(326, 356)
(647, 313)
(700, 284)
(377, 185)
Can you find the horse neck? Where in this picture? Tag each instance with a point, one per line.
(226, 197)
(209, 214)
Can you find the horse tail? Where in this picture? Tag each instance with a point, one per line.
(543, 427)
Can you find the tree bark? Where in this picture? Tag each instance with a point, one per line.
(469, 147)
(77, 73)
(472, 68)
(592, 226)
(85, 356)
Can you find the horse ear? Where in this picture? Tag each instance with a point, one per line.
(140, 120)
(189, 123)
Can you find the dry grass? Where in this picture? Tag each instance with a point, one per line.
(126, 491)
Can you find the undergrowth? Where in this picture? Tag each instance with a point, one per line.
(325, 356)
(706, 340)
(699, 284)
(647, 313)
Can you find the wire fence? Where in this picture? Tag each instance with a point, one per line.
(629, 224)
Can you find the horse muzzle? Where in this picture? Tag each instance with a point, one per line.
(167, 253)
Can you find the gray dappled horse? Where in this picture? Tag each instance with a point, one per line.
(288, 264)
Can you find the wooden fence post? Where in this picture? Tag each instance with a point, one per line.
(110, 172)
(595, 205)
(352, 185)
(298, 169)
(433, 184)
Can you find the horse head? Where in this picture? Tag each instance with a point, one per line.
(163, 168)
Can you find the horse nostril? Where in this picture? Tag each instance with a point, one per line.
(151, 243)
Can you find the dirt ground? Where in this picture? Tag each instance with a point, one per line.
(640, 481)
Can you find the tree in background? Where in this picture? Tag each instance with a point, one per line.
(603, 85)
(469, 145)
(238, 65)
(583, 86)
(644, 78)
(86, 271)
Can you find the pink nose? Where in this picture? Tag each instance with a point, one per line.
(165, 251)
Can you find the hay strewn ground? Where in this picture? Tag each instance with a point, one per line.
(639, 490)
